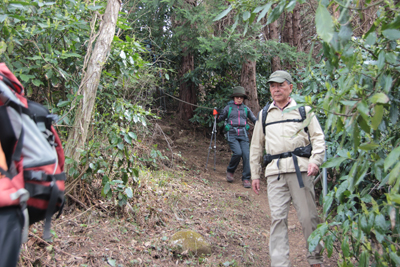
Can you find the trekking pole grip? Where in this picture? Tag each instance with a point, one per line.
(215, 112)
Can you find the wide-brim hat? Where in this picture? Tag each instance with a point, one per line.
(239, 91)
(280, 76)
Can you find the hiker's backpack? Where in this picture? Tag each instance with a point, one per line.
(34, 155)
(227, 126)
(302, 112)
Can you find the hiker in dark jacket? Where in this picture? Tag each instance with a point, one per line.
(236, 114)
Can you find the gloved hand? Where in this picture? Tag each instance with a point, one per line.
(219, 110)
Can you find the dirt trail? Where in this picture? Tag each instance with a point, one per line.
(197, 151)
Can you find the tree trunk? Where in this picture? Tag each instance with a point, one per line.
(187, 89)
(90, 82)
(248, 81)
(287, 36)
(297, 29)
(274, 35)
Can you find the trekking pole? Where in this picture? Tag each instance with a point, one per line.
(213, 134)
(215, 137)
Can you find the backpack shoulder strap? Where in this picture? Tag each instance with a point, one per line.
(264, 115)
(245, 111)
(229, 112)
(302, 111)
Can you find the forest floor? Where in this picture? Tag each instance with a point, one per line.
(185, 195)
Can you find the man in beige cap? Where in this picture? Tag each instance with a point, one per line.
(293, 157)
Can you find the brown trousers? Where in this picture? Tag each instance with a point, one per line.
(280, 194)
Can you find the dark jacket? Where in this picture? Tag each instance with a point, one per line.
(237, 119)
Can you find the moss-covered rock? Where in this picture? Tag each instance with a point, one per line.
(191, 241)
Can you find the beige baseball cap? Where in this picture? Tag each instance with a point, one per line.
(280, 76)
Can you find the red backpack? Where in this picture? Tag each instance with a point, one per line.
(35, 179)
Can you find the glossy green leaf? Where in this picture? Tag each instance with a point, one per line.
(364, 259)
(387, 83)
(371, 38)
(356, 137)
(259, 8)
(246, 15)
(315, 237)
(392, 158)
(264, 11)
(120, 146)
(329, 244)
(129, 192)
(135, 172)
(333, 162)
(377, 118)
(394, 174)
(132, 135)
(95, 7)
(223, 13)
(395, 258)
(345, 247)
(380, 223)
(127, 139)
(3, 17)
(363, 108)
(352, 176)
(63, 103)
(368, 146)
(276, 12)
(379, 98)
(246, 27)
(37, 82)
(393, 114)
(363, 124)
(291, 5)
(328, 199)
(342, 188)
(364, 224)
(323, 23)
(381, 60)
(391, 34)
(395, 198)
(361, 172)
(348, 103)
(106, 188)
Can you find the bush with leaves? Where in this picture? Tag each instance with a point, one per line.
(356, 90)
(112, 155)
(43, 44)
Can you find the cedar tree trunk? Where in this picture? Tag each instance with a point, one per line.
(187, 89)
(297, 32)
(274, 35)
(248, 81)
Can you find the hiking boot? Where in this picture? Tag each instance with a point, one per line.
(246, 183)
(229, 177)
(316, 265)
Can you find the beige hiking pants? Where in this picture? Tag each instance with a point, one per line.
(280, 193)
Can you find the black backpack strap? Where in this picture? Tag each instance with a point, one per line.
(5, 173)
(302, 111)
(264, 116)
(10, 83)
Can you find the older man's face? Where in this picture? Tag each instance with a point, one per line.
(280, 92)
